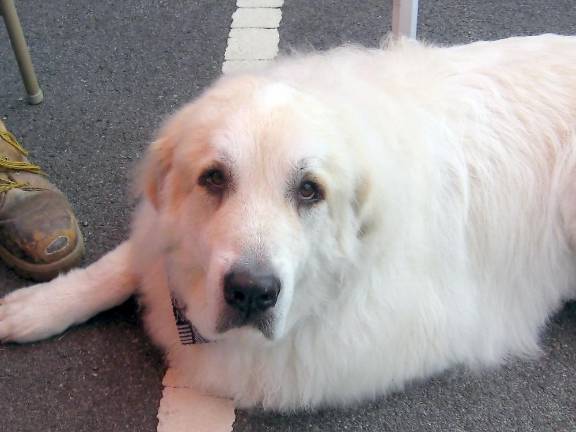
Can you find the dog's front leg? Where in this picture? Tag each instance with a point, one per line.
(43, 310)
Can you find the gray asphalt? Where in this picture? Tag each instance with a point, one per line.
(110, 72)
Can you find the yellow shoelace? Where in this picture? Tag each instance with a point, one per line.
(5, 163)
(7, 184)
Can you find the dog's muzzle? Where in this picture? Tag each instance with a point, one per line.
(250, 295)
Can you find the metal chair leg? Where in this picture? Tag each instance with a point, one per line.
(404, 18)
(8, 10)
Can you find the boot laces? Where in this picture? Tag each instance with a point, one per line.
(7, 164)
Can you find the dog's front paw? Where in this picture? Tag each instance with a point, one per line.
(31, 314)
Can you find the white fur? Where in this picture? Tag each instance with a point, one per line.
(446, 236)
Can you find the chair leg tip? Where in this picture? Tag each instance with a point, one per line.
(36, 98)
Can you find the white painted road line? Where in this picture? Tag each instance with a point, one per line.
(259, 3)
(252, 44)
(230, 66)
(183, 409)
(253, 39)
(267, 18)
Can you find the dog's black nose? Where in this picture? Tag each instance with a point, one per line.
(249, 292)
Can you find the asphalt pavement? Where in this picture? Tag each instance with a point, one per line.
(111, 71)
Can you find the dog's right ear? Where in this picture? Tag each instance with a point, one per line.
(363, 208)
(156, 166)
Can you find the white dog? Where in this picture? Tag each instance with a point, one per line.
(340, 224)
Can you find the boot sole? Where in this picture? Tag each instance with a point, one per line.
(43, 272)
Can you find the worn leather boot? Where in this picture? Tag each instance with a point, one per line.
(39, 234)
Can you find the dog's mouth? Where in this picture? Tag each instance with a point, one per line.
(262, 322)
(190, 335)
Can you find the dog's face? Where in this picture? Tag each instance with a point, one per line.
(257, 206)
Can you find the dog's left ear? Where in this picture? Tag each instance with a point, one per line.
(362, 208)
(156, 166)
(356, 218)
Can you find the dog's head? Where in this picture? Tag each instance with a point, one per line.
(258, 205)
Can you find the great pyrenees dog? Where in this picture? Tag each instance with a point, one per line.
(339, 224)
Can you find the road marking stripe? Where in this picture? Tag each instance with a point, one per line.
(259, 3)
(183, 409)
(253, 39)
(267, 18)
(252, 42)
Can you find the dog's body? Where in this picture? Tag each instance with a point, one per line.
(414, 208)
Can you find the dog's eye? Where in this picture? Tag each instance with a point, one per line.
(309, 192)
(213, 179)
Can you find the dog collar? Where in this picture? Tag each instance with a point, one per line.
(188, 334)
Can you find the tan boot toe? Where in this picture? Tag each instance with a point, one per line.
(39, 234)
